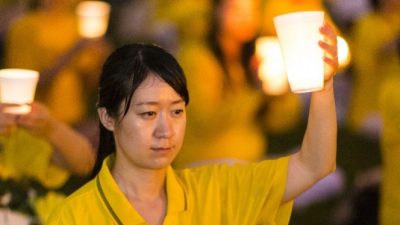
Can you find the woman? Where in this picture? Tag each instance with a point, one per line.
(142, 103)
(38, 155)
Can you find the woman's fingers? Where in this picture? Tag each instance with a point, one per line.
(329, 33)
(329, 45)
(330, 49)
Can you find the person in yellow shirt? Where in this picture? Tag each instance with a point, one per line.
(373, 62)
(38, 152)
(142, 110)
(55, 49)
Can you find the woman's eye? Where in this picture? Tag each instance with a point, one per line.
(177, 112)
(148, 114)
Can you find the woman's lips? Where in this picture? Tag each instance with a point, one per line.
(161, 148)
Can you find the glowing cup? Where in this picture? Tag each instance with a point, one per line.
(344, 55)
(93, 18)
(17, 87)
(298, 34)
(271, 70)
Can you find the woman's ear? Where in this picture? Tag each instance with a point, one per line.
(107, 121)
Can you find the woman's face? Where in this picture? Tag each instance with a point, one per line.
(151, 133)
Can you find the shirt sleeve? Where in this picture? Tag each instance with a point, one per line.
(255, 191)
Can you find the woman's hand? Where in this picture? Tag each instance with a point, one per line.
(329, 45)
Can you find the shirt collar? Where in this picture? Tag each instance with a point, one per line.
(118, 205)
(177, 198)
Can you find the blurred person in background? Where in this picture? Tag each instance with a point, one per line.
(68, 64)
(373, 61)
(37, 155)
(10, 10)
(221, 73)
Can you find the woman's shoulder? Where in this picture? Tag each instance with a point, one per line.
(79, 201)
(220, 171)
(84, 191)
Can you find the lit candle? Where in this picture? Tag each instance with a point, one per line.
(343, 53)
(17, 88)
(271, 70)
(92, 18)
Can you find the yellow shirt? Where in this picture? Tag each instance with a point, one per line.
(217, 194)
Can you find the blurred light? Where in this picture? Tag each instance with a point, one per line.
(343, 53)
(93, 18)
(271, 70)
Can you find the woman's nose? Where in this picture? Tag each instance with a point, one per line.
(164, 127)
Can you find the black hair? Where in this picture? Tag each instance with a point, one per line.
(124, 70)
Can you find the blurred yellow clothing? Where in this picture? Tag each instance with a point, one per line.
(36, 41)
(218, 194)
(372, 64)
(274, 8)
(190, 17)
(26, 156)
(390, 108)
(219, 128)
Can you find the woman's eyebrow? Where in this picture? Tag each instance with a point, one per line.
(156, 102)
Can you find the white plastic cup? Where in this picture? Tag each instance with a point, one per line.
(18, 87)
(298, 34)
(93, 18)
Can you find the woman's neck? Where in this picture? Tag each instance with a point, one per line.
(145, 190)
(140, 184)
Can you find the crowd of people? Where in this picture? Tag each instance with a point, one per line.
(210, 44)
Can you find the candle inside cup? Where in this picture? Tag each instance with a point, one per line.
(271, 69)
(17, 88)
(92, 18)
(298, 34)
